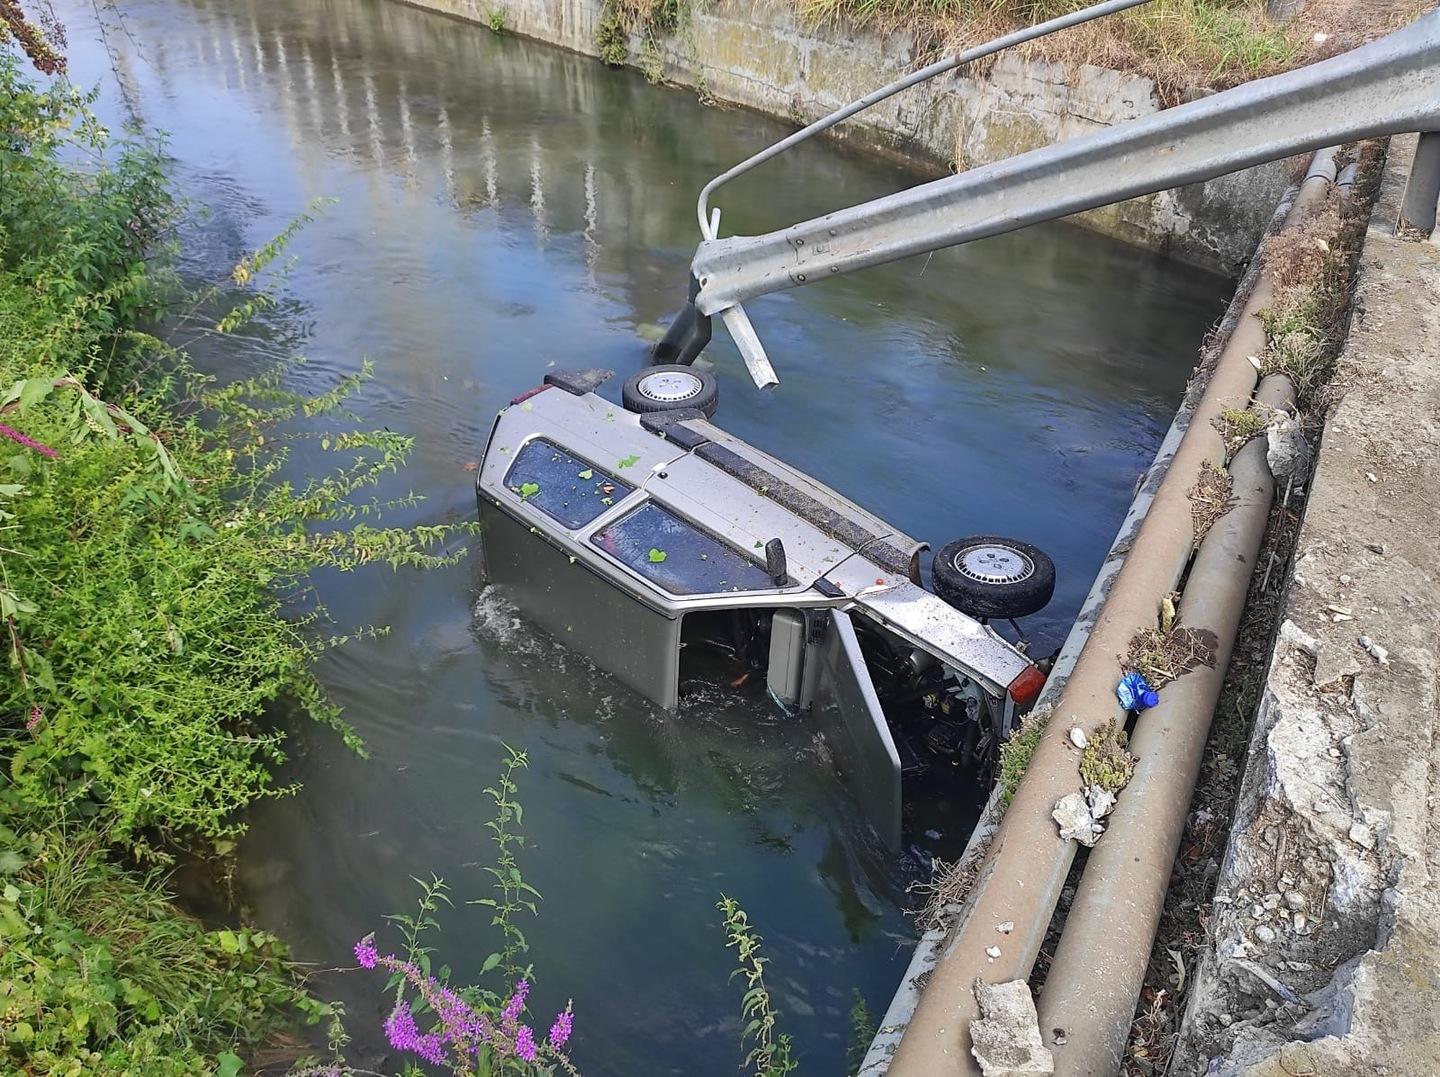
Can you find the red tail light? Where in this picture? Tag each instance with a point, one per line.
(528, 394)
(1025, 688)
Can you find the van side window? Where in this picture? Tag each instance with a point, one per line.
(677, 555)
(569, 490)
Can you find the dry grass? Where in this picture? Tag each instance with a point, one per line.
(948, 887)
(1210, 498)
(1164, 656)
(1312, 269)
(1183, 45)
(1237, 426)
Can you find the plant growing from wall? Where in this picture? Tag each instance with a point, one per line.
(650, 20)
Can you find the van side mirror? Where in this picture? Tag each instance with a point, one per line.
(775, 561)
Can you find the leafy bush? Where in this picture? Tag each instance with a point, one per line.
(153, 559)
(100, 975)
(152, 576)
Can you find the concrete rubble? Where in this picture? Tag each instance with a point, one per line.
(1078, 814)
(1006, 1038)
(1325, 957)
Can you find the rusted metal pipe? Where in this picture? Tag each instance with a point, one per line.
(1095, 980)
(1020, 881)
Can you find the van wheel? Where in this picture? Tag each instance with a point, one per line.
(989, 576)
(669, 388)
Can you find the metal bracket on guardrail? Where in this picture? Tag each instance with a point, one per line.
(1422, 192)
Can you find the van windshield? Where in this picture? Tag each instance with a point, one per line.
(677, 555)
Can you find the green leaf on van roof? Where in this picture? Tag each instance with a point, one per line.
(529, 489)
(629, 461)
(587, 474)
(656, 556)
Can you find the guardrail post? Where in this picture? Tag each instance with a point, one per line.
(1422, 192)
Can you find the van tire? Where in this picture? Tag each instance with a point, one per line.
(670, 387)
(990, 576)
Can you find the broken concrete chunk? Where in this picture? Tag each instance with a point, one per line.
(1298, 638)
(1006, 1038)
(1076, 820)
(1286, 450)
(1101, 800)
(1079, 814)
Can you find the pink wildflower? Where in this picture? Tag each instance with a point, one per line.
(560, 1030)
(516, 1006)
(525, 1043)
(29, 442)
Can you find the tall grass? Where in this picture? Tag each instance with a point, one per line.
(1180, 43)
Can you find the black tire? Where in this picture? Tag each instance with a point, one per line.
(990, 576)
(670, 388)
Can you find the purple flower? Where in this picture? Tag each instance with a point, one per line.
(516, 1005)
(365, 951)
(400, 1028)
(560, 1030)
(33, 722)
(525, 1042)
(405, 1035)
(28, 442)
(431, 1048)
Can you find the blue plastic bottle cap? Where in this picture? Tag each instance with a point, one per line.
(1149, 698)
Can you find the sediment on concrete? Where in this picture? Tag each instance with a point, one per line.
(1324, 948)
(761, 54)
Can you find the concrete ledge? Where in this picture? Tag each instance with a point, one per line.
(762, 55)
(1326, 939)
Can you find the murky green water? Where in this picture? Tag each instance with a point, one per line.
(504, 206)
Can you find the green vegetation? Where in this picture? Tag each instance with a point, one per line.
(1237, 426)
(100, 975)
(771, 1051)
(1106, 761)
(496, 19)
(153, 559)
(649, 19)
(1016, 753)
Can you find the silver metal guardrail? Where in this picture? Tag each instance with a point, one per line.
(1389, 86)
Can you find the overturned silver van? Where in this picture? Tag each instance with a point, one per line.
(663, 548)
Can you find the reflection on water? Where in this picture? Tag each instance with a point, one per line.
(505, 207)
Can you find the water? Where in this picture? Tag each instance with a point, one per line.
(504, 206)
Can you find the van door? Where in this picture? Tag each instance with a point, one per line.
(850, 719)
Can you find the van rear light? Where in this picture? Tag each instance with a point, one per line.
(1025, 688)
(528, 394)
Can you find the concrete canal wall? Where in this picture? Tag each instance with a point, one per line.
(761, 54)
(1323, 952)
